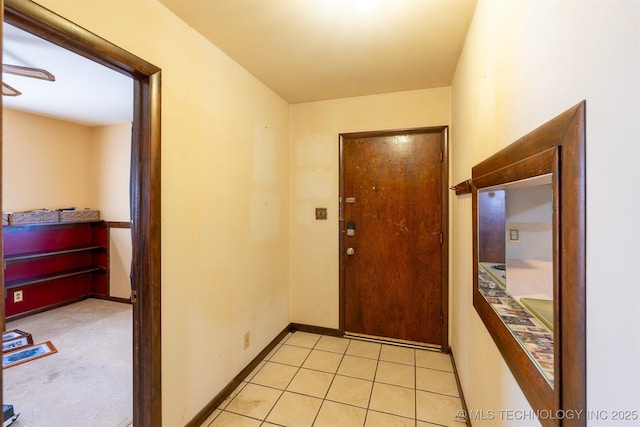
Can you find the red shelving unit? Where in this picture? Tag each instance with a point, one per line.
(54, 264)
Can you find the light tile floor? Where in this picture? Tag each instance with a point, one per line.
(317, 380)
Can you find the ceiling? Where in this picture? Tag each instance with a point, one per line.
(311, 50)
(84, 92)
(304, 50)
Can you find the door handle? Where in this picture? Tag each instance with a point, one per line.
(350, 251)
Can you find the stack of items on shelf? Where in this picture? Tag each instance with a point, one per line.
(46, 216)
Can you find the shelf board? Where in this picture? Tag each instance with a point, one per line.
(9, 259)
(21, 283)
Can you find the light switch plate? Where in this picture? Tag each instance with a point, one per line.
(321, 213)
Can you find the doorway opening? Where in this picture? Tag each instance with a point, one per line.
(144, 190)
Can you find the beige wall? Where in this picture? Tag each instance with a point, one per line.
(523, 63)
(225, 203)
(315, 129)
(120, 252)
(111, 147)
(51, 164)
(45, 163)
(112, 163)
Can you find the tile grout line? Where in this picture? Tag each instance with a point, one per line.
(264, 363)
(324, 399)
(294, 375)
(415, 390)
(334, 374)
(241, 386)
(373, 383)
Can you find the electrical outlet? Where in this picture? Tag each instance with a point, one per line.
(17, 296)
(247, 340)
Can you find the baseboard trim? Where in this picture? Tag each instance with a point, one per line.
(202, 416)
(462, 401)
(110, 298)
(62, 304)
(43, 309)
(315, 329)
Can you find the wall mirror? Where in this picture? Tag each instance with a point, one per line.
(529, 263)
(515, 262)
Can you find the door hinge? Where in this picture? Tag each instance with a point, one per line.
(134, 296)
(441, 319)
(441, 156)
(441, 238)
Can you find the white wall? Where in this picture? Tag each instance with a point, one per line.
(530, 211)
(225, 203)
(524, 62)
(315, 130)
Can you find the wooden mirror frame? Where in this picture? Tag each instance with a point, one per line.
(557, 146)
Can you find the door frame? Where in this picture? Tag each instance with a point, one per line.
(444, 194)
(144, 191)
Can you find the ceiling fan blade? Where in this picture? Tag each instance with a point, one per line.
(36, 73)
(9, 91)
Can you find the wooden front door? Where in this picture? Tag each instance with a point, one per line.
(393, 235)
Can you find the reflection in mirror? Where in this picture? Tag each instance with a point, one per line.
(515, 263)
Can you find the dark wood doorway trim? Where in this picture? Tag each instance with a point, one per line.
(145, 190)
(445, 222)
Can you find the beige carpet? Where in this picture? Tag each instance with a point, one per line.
(88, 382)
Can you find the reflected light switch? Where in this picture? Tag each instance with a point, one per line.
(321, 213)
